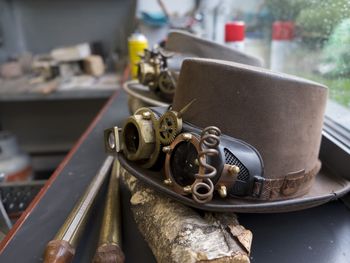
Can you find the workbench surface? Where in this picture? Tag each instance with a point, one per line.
(79, 87)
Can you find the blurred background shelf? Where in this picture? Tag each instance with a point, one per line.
(48, 125)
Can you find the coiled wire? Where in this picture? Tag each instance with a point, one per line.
(209, 141)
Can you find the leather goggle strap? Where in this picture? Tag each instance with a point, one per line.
(285, 187)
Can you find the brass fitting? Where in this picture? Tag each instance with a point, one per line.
(222, 191)
(187, 189)
(233, 169)
(187, 136)
(139, 138)
(168, 182)
(148, 73)
(166, 149)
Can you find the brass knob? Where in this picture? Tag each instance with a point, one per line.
(222, 191)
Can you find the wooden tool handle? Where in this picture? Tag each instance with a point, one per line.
(59, 251)
(109, 250)
(109, 253)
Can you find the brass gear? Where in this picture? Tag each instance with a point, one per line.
(169, 126)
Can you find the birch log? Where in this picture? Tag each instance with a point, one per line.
(179, 234)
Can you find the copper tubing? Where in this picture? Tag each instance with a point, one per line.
(62, 248)
(209, 141)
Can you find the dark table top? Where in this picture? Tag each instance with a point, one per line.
(320, 234)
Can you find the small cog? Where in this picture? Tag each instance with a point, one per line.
(169, 126)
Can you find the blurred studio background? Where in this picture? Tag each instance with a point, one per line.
(62, 60)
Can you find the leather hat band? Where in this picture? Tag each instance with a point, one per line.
(286, 187)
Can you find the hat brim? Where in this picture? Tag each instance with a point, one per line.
(326, 187)
(134, 89)
(192, 46)
(187, 45)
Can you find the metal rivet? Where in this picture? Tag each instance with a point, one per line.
(187, 136)
(167, 182)
(187, 189)
(233, 169)
(222, 191)
(167, 149)
(146, 115)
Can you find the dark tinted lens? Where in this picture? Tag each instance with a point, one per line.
(182, 163)
(131, 138)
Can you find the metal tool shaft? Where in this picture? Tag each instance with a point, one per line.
(110, 236)
(62, 248)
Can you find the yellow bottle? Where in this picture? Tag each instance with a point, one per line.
(137, 44)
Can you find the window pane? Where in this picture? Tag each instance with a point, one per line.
(312, 40)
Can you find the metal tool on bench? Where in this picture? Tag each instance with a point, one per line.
(62, 247)
(109, 245)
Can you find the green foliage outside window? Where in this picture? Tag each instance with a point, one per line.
(324, 28)
(337, 50)
(318, 20)
(315, 19)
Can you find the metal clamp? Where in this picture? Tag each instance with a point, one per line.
(258, 185)
(111, 139)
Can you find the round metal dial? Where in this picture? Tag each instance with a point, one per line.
(169, 127)
(183, 163)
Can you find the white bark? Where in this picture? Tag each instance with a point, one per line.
(178, 234)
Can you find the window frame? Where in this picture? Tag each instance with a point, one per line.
(335, 148)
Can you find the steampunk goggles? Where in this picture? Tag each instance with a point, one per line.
(153, 72)
(201, 163)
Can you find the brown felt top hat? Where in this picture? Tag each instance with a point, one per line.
(186, 45)
(278, 114)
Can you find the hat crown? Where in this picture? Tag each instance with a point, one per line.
(280, 115)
